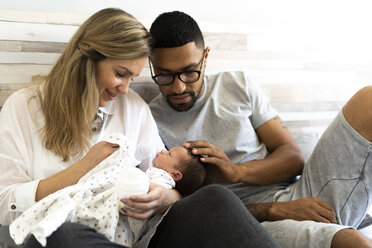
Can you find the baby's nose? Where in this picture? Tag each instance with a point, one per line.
(163, 151)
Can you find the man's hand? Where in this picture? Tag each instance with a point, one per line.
(212, 155)
(311, 208)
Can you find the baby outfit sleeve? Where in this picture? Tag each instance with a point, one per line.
(161, 177)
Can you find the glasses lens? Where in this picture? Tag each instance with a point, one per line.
(190, 76)
(164, 79)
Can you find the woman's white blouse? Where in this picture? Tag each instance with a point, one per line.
(24, 161)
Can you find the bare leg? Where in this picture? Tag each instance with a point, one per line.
(348, 238)
(358, 112)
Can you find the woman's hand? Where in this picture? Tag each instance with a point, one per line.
(72, 174)
(156, 201)
(99, 152)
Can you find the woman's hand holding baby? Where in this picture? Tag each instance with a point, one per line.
(156, 201)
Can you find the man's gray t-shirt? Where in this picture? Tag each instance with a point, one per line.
(226, 115)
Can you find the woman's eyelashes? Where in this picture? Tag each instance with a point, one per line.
(124, 75)
(121, 75)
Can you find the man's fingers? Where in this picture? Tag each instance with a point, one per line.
(324, 204)
(197, 144)
(210, 152)
(329, 215)
(326, 210)
(212, 161)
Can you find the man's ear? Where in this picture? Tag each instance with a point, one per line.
(176, 175)
(207, 50)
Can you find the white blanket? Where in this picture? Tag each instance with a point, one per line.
(92, 202)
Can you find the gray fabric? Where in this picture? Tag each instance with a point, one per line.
(302, 234)
(339, 172)
(5, 240)
(227, 224)
(74, 235)
(230, 104)
(365, 222)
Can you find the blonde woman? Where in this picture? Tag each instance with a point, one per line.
(47, 132)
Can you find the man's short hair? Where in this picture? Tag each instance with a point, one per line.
(175, 29)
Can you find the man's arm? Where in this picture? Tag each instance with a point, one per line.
(284, 162)
(311, 208)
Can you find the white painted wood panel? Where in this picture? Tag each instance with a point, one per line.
(36, 31)
(12, 15)
(28, 58)
(21, 73)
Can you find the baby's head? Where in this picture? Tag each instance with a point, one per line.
(185, 168)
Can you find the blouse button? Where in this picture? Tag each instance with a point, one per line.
(94, 129)
(13, 207)
(99, 111)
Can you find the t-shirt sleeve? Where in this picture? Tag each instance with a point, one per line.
(262, 111)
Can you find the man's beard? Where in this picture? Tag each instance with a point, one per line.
(185, 106)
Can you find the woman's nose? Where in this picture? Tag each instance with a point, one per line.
(123, 88)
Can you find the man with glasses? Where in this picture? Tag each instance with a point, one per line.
(189, 74)
(245, 145)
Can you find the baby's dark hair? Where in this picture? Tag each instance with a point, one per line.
(174, 29)
(193, 175)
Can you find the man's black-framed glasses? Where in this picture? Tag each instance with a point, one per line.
(189, 76)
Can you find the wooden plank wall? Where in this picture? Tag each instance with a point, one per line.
(306, 83)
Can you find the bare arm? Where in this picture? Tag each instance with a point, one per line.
(311, 208)
(284, 162)
(72, 174)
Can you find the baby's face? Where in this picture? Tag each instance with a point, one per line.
(170, 160)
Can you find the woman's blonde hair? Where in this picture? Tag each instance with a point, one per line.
(70, 95)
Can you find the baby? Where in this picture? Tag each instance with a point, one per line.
(177, 168)
(186, 169)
